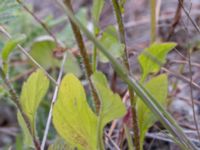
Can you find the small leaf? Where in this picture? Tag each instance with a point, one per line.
(10, 46)
(33, 91)
(110, 40)
(152, 57)
(158, 87)
(96, 12)
(42, 52)
(111, 104)
(72, 116)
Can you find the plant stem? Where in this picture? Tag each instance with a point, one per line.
(153, 20)
(85, 56)
(163, 116)
(15, 99)
(126, 62)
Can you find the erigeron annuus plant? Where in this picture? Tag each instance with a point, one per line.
(74, 120)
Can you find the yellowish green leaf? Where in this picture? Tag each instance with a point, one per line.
(27, 138)
(157, 87)
(42, 52)
(153, 57)
(33, 91)
(72, 116)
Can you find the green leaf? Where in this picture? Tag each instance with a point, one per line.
(42, 52)
(96, 12)
(72, 116)
(154, 56)
(60, 144)
(27, 138)
(10, 46)
(33, 91)
(158, 87)
(110, 40)
(111, 104)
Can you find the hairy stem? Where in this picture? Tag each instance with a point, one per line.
(85, 56)
(15, 99)
(126, 62)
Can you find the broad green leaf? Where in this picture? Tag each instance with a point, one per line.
(72, 116)
(154, 56)
(42, 52)
(110, 40)
(10, 46)
(33, 91)
(158, 87)
(27, 138)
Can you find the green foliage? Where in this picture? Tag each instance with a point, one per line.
(7, 9)
(157, 87)
(74, 119)
(60, 144)
(111, 104)
(7, 49)
(10, 46)
(72, 116)
(110, 40)
(153, 57)
(27, 138)
(42, 52)
(33, 91)
(96, 12)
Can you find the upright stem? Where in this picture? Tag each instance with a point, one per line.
(84, 55)
(153, 20)
(15, 99)
(126, 62)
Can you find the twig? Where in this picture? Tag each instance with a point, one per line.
(29, 56)
(85, 57)
(53, 102)
(188, 15)
(191, 95)
(175, 20)
(114, 144)
(181, 77)
(38, 20)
